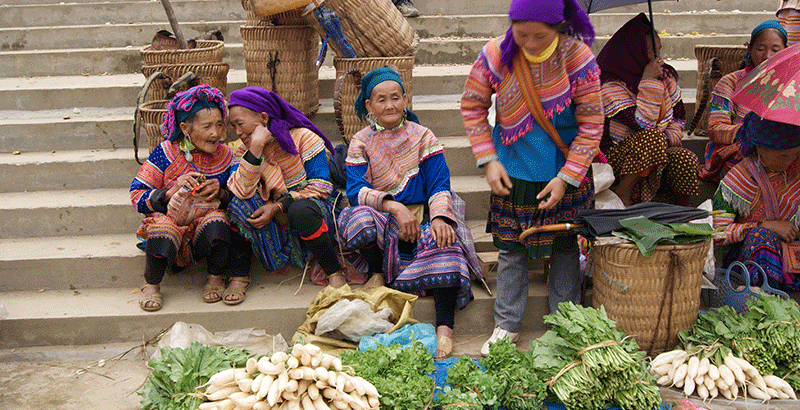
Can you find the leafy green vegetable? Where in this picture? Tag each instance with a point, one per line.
(400, 374)
(180, 371)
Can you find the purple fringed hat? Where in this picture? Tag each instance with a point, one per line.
(576, 22)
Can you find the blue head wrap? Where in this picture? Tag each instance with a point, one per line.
(186, 103)
(774, 24)
(759, 132)
(369, 82)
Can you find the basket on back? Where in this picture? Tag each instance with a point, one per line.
(651, 298)
(349, 72)
(291, 17)
(205, 61)
(283, 59)
(713, 62)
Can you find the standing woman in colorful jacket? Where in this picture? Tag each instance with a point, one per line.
(644, 119)
(538, 156)
(725, 116)
(180, 189)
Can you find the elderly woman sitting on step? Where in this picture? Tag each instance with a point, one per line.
(281, 182)
(403, 222)
(760, 198)
(181, 190)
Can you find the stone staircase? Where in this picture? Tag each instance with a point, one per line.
(70, 76)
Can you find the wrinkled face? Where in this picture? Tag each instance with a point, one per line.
(532, 36)
(244, 121)
(767, 43)
(206, 130)
(387, 102)
(777, 160)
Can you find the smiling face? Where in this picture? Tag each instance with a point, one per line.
(533, 36)
(244, 121)
(777, 160)
(388, 103)
(768, 42)
(205, 129)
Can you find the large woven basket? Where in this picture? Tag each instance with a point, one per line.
(375, 28)
(213, 74)
(152, 114)
(207, 51)
(283, 59)
(713, 62)
(286, 18)
(650, 298)
(347, 93)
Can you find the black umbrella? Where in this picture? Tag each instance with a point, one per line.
(592, 6)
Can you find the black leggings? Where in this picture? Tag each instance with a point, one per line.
(215, 263)
(307, 221)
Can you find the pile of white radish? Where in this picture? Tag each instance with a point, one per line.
(305, 380)
(735, 377)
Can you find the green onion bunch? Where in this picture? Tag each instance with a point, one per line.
(638, 396)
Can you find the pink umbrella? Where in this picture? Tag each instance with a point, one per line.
(772, 90)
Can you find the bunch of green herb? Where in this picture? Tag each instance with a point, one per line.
(469, 388)
(638, 396)
(777, 324)
(400, 374)
(178, 372)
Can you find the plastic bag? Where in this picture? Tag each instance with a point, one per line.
(354, 320)
(424, 332)
(257, 341)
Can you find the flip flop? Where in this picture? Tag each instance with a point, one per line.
(154, 297)
(443, 344)
(209, 290)
(238, 291)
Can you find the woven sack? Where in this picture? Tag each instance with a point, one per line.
(375, 28)
(283, 59)
(713, 62)
(213, 74)
(651, 298)
(207, 51)
(349, 72)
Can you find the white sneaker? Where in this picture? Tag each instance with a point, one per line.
(496, 335)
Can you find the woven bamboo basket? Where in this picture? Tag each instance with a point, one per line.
(283, 59)
(152, 114)
(346, 97)
(650, 298)
(287, 18)
(213, 74)
(728, 59)
(207, 51)
(375, 28)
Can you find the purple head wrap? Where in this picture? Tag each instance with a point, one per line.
(552, 12)
(186, 103)
(282, 115)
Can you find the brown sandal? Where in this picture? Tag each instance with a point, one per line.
(238, 291)
(154, 297)
(443, 344)
(209, 290)
(338, 273)
(377, 280)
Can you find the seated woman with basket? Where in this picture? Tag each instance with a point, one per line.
(180, 189)
(404, 218)
(281, 183)
(725, 116)
(760, 200)
(644, 119)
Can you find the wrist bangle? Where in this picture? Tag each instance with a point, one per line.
(280, 206)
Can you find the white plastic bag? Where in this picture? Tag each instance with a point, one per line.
(257, 341)
(709, 267)
(354, 320)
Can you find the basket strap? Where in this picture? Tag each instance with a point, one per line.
(337, 98)
(669, 292)
(701, 107)
(137, 120)
(272, 66)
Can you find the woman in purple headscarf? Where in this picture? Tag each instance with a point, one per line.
(760, 200)
(537, 158)
(281, 180)
(644, 119)
(181, 190)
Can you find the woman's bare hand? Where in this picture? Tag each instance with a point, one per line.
(654, 69)
(188, 180)
(442, 232)
(208, 190)
(498, 178)
(261, 216)
(409, 225)
(785, 230)
(556, 188)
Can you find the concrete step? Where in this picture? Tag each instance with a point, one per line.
(137, 34)
(67, 213)
(127, 59)
(60, 170)
(111, 315)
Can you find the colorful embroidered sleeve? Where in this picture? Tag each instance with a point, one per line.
(149, 182)
(584, 76)
(359, 189)
(245, 174)
(734, 232)
(475, 104)
(721, 129)
(436, 175)
(317, 182)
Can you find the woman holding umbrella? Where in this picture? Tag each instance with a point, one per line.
(760, 198)
(725, 116)
(644, 119)
(537, 157)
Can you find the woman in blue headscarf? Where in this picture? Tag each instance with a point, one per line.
(181, 190)
(725, 117)
(405, 224)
